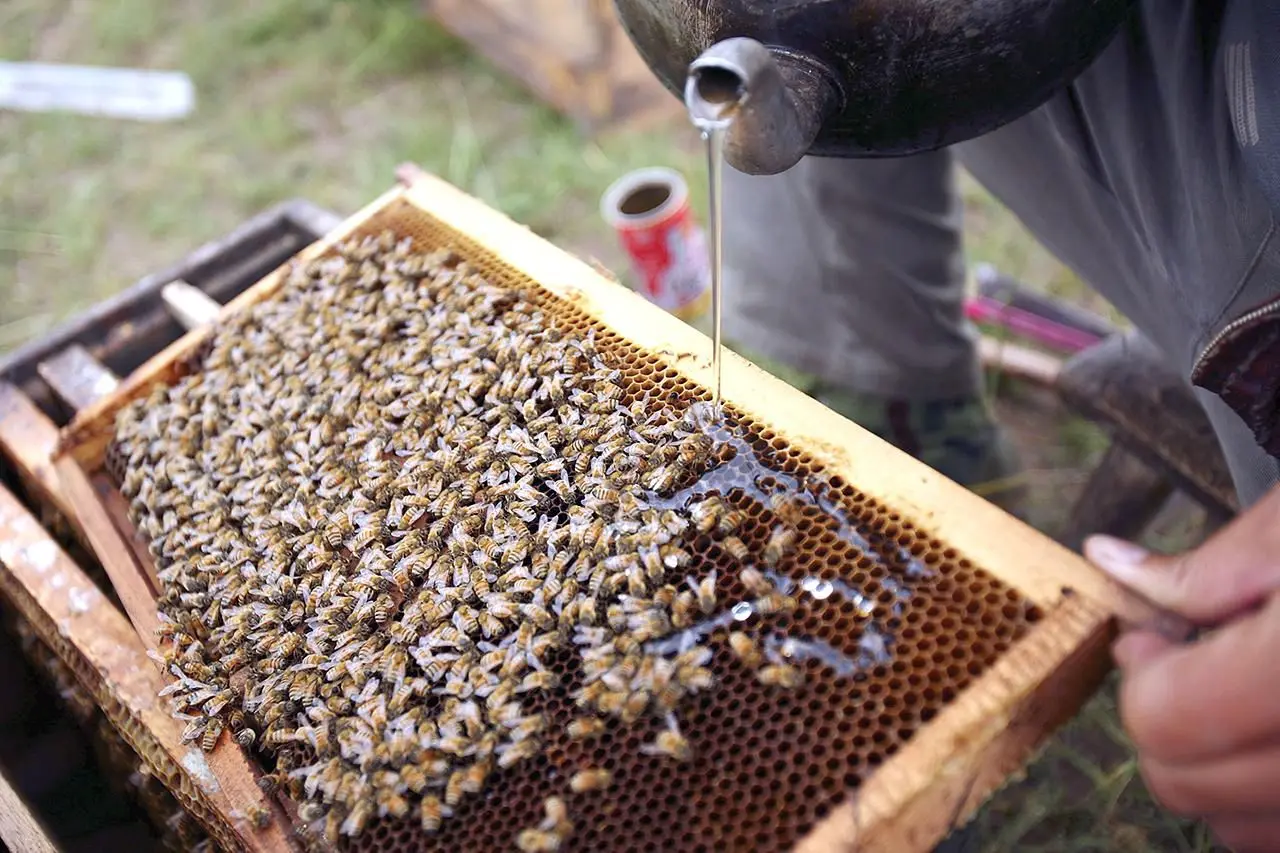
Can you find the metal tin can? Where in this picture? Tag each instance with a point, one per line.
(649, 209)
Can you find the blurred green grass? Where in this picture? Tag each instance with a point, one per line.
(322, 99)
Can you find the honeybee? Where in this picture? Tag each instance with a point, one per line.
(474, 776)
(383, 609)
(557, 814)
(730, 520)
(490, 625)
(390, 803)
(755, 581)
(502, 606)
(694, 449)
(780, 675)
(563, 489)
(210, 737)
(745, 649)
(466, 620)
(786, 507)
(414, 778)
(541, 679)
(781, 543)
(454, 788)
(590, 780)
(605, 493)
(684, 609)
(518, 751)
(332, 826)
(527, 727)
(634, 706)
(394, 661)
(661, 479)
(358, 817)
(674, 557)
(583, 728)
(705, 590)
(538, 615)
(536, 840)
(735, 548)
(432, 813)
(669, 742)
(774, 602)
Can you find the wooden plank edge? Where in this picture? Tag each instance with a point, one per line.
(27, 440)
(949, 768)
(994, 540)
(1019, 361)
(76, 378)
(34, 568)
(133, 585)
(20, 829)
(189, 305)
(87, 436)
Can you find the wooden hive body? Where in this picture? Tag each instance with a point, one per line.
(573, 54)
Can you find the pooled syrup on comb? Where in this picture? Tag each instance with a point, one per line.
(740, 469)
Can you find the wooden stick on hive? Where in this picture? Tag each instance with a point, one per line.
(952, 761)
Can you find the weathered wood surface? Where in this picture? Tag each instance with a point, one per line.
(76, 377)
(189, 305)
(573, 54)
(28, 439)
(110, 658)
(1123, 495)
(20, 830)
(1019, 361)
(1126, 384)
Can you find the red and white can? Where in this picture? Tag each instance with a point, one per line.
(649, 208)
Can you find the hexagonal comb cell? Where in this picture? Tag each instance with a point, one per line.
(835, 627)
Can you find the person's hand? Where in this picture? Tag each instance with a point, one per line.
(1205, 716)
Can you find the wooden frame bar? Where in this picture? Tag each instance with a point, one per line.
(955, 761)
(94, 640)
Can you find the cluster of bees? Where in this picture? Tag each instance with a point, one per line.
(391, 495)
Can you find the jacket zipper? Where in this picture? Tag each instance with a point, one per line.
(1229, 330)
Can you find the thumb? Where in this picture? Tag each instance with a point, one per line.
(1230, 573)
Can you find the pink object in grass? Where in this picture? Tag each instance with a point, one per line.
(984, 309)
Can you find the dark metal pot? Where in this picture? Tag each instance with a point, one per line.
(877, 78)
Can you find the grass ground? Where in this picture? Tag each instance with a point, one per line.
(322, 99)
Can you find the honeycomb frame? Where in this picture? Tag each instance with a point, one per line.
(984, 732)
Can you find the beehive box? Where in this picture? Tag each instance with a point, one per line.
(952, 638)
(572, 54)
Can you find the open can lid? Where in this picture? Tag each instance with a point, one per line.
(644, 197)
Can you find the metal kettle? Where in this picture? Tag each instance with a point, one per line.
(865, 78)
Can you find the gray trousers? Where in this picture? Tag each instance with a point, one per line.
(1138, 177)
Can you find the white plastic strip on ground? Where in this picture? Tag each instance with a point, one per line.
(127, 93)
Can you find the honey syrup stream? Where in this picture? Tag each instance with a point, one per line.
(713, 136)
(712, 104)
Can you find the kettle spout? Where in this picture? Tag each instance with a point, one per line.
(772, 102)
